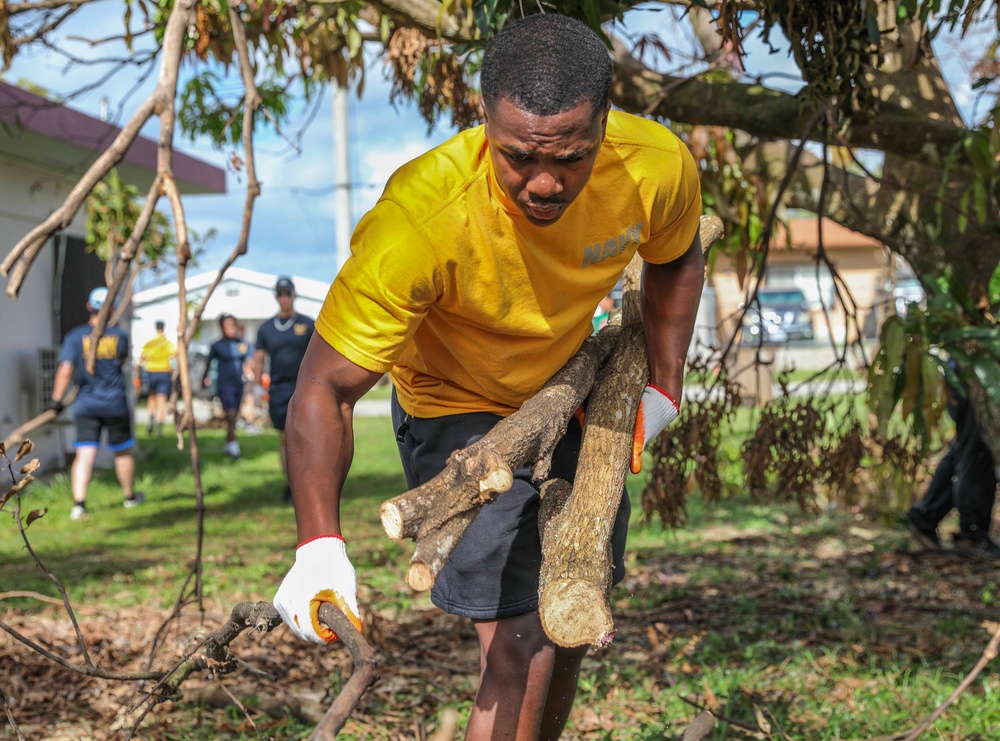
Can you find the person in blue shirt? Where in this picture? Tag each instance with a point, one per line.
(284, 337)
(230, 355)
(101, 404)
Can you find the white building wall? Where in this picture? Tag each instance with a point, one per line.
(27, 196)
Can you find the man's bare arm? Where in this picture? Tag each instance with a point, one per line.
(319, 443)
(62, 380)
(258, 366)
(670, 296)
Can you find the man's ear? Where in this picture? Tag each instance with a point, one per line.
(604, 119)
(484, 112)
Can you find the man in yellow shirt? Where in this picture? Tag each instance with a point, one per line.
(157, 361)
(472, 281)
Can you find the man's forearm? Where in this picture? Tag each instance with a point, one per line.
(60, 384)
(670, 297)
(319, 448)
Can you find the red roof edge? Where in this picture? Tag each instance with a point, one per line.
(49, 118)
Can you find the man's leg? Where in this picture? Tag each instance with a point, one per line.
(161, 408)
(527, 684)
(125, 471)
(975, 489)
(81, 471)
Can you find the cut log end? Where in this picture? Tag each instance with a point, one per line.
(392, 520)
(575, 612)
(420, 576)
(500, 479)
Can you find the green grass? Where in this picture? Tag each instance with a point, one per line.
(822, 625)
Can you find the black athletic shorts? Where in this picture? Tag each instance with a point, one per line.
(159, 382)
(493, 571)
(230, 396)
(279, 394)
(88, 432)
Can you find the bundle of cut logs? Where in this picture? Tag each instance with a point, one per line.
(610, 372)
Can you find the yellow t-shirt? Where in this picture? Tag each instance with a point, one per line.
(471, 306)
(156, 354)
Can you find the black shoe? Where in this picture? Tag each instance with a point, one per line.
(927, 537)
(286, 495)
(977, 546)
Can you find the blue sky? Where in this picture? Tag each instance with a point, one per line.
(294, 226)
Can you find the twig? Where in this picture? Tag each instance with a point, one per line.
(724, 718)
(88, 670)
(365, 673)
(20, 433)
(989, 653)
(251, 102)
(10, 716)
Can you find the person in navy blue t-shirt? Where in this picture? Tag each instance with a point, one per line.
(230, 355)
(101, 404)
(284, 337)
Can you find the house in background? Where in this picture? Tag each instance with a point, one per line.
(868, 270)
(246, 294)
(44, 148)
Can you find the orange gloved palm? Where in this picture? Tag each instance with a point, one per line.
(657, 409)
(321, 573)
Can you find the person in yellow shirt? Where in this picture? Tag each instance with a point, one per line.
(472, 281)
(157, 362)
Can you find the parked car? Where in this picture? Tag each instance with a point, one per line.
(907, 291)
(779, 315)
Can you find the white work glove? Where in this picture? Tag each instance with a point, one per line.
(657, 409)
(321, 573)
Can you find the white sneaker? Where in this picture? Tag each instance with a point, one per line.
(137, 498)
(78, 512)
(233, 448)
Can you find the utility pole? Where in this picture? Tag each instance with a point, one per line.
(342, 175)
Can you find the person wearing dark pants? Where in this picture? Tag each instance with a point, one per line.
(965, 480)
(230, 354)
(101, 404)
(284, 337)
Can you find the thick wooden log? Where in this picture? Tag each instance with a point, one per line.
(575, 578)
(436, 513)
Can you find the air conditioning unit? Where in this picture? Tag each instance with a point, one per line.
(48, 362)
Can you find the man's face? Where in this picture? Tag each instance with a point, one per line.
(543, 162)
(285, 299)
(229, 328)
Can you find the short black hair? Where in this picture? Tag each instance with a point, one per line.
(224, 317)
(160, 324)
(546, 64)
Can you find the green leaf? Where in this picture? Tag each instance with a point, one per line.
(935, 398)
(881, 394)
(963, 334)
(894, 343)
(994, 285)
(913, 378)
(979, 199)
